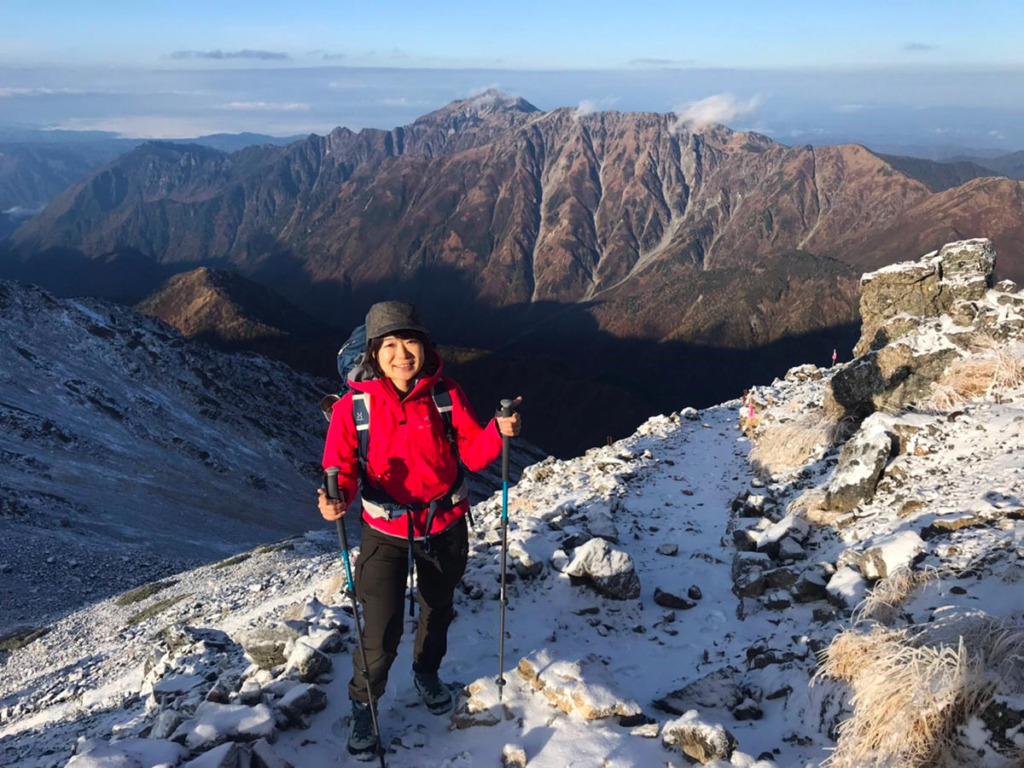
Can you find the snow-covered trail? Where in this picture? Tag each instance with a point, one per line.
(680, 496)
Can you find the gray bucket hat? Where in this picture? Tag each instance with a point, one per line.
(387, 317)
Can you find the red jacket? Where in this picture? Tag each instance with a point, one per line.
(409, 455)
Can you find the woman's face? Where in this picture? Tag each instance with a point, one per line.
(401, 361)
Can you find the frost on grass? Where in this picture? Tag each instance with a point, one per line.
(885, 599)
(779, 447)
(914, 688)
(993, 372)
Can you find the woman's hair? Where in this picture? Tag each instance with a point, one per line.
(429, 352)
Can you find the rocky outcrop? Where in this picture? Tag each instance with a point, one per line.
(915, 319)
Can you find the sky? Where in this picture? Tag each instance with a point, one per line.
(944, 71)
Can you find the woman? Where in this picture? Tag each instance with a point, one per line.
(414, 502)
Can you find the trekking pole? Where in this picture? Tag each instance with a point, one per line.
(506, 410)
(332, 493)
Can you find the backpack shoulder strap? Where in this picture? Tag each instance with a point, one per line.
(361, 417)
(443, 402)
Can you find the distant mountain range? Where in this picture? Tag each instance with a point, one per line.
(36, 166)
(644, 254)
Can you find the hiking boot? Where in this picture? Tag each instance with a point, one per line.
(436, 694)
(361, 741)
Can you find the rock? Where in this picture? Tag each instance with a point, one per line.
(267, 646)
(748, 573)
(717, 690)
(847, 587)
(889, 553)
(97, 753)
(698, 739)
(251, 693)
(1002, 723)
(669, 550)
(694, 592)
(308, 662)
(302, 700)
(791, 550)
(478, 705)
(264, 756)
(527, 558)
(171, 687)
(611, 571)
(966, 267)
(600, 517)
(668, 600)
(165, 724)
(810, 586)
(583, 686)
(781, 578)
(513, 756)
(224, 756)
(907, 288)
(777, 600)
(769, 540)
(747, 710)
(745, 540)
(213, 724)
(325, 640)
(860, 464)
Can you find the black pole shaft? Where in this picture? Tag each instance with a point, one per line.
(506, 410)
(332, 493)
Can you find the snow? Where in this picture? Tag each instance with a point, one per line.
(670, 487)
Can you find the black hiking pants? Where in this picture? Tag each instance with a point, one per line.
(380, 575)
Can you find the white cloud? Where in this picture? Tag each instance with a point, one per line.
(265, 106)
(848, 109)
(590, 106)
(7, 93)
(145, 126)
(720, 108)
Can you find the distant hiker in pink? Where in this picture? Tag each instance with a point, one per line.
(834, 357)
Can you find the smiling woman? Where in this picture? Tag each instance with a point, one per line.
(399, 440)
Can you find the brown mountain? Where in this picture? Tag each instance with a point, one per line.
(698, 261)
(232, 312)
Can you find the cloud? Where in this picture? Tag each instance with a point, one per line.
(7, 93)
(265, 106)
(720, 108)
(145, 126)
(245, 53)
(589, 106)
(652, 62)
(848, 109)
(919, 48)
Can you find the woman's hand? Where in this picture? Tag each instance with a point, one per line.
(331, 509)
(510, 426)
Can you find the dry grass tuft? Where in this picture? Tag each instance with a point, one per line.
(913, 688)
(778, 447)
(997, 368)
(884, 601)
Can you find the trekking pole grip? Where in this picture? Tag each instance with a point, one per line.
(506, 411)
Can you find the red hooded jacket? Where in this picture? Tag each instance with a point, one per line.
(409, 455)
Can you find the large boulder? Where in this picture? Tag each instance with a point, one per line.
(610, 570)
(861, 464)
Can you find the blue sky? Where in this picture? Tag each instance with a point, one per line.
(899, 71)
